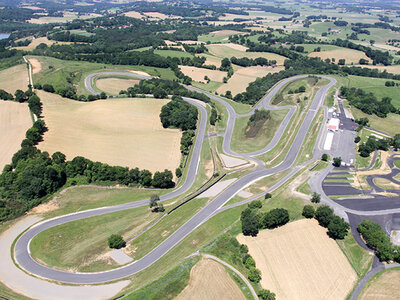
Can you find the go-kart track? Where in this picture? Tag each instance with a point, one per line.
(26, 262)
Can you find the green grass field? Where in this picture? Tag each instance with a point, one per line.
(242, 144)
(64, 73)
(397, 163)
(173, 53)
(308, 48)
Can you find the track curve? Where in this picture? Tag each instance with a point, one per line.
(21, 249)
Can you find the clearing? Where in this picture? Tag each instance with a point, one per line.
(124, 132)
(115, 85)
(15, 120)
(351, 56)
(300, 261)
(209, 280)
(134, 14)
(14, 78)
(198, 74)
(383, 286)
(242, 77)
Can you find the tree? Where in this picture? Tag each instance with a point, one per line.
(337, 161)
(254, 275)
(267, 196)
(266, 295)
(255, 204)
(163, 180)
(357, 139)
(115, 241)
(250, 262)
(103, 95)
(342, 62)
(324, 215)
(178, 172)
(316, 198)
(324, 157)
(308, 211)
(337, 228)
(48, 88)
(275, 218)
(249, 222)
(154, 200)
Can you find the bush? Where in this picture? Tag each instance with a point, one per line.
(48, 88)
(324, 215)
(316, 198)
(308, 211)
(178, 172)
(250, 262)
(338, 228)
(249, 222)
(268, 196)
(115, 241)
(324, 157)
(357, 139)
(256, 204)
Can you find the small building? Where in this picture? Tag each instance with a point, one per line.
(333, 124)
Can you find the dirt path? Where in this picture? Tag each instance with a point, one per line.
(32, 287)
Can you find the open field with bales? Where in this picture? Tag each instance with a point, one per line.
(198, 74)
(14, 78)
(383, 286)
(292, 265)
(209, 280)
(114, 85)
(125, 132)
(351, 56)
(15, 120)
(242, 77)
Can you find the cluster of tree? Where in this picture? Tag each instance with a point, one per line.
(5, 96)
(195, 49)
(300, 89)
(340, 23)
(67, 36)
(247, 62)
(337, 227)
(179, 114)
(187, 141)
(214, 117)
(377, 240)
(161, 88)
(252, 219)
(69, 92)
(367, 102)
(391, 83)
(155, 204)
(372, 144)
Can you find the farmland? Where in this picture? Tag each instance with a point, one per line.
(384, 285)
(351, 56)
(114, 85)
(198, 74)
(125, 132)
(37, 41)
(14, 78)
(292, 266)
(209, 280)
(15, 120)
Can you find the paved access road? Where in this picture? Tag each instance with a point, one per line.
(21, 251)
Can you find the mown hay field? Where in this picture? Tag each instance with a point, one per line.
(14, 78)
(198, 74)
(37, 41)
(208, 281)
(115, 85)
(385, 286)
(350, 55)
(242, 77)
(15, 120)
(300, 261)
(124, 132)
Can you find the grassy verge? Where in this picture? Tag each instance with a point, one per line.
(243, 144)
(169, 285)
(397, 163)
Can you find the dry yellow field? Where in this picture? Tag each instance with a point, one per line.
(68, 16)
(386, 286)
(209, 281)
(160, 16)
(14, 78)
(124, 132)
(221, 33)
(114, 85)
(15, 120)
(225, 50)
(242, 77)
(350, 55)
(134, 14)
(38, 41)
(300, 261)
(197, 74)
(231, 17)
(36, 65)
(390, 69)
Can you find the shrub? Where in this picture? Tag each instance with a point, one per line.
(324, 157)
(178, 172)
(115, 241)
(357, 139)
(250, 262)
(268, 196)
(256, 204)
(308, 211)
(48, 88)
(324, 214)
